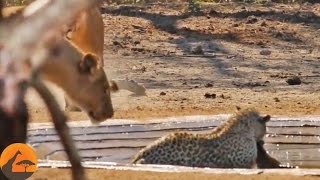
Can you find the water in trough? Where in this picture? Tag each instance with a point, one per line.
(292, 141)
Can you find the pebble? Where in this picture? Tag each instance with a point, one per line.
(265, 52)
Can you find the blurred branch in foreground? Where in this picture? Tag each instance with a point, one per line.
(41, 20)
(28, 36)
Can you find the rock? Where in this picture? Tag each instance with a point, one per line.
(260, 43)
(276, 99)
(251, 20)
(211, 96)
(163, 94)
(208, 85)
(265, 52)
(213, 13)
(137, 26)
(142, 68)
(138, 49)
(136, 42)
(263, 23)
(117, 43)
(279, 35)
(198, 50)
(124, 53)
(250, 84)
(224, 96)
(295, 80)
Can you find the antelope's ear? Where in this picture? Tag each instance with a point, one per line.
(113, 86)
(266, 118)
(89, 64)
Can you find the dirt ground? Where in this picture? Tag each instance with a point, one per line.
(94, 174)
(208, 63)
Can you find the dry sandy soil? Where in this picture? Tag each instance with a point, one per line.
(241, 55)
(207, 63)
(94, 174)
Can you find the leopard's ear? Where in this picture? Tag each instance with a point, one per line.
(266, 118)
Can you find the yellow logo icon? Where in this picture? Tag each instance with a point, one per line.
(18, 161)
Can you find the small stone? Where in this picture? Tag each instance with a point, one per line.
(251, 20)
(136, 42)
(211, 96)
(213, 13)
(276, 99)
(260, 43)
(263, 23)
(265, 52)
(279, 35)
(295, 80)
(141, 68)
(117, 43)
(138, 49)
(163, 94)
(125, 53)
(224, 96)
(236, 25)
(198, 50)
(208, 85)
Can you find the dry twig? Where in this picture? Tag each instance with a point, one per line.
(59, 121)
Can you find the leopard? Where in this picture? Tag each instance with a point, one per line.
(233, 144)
